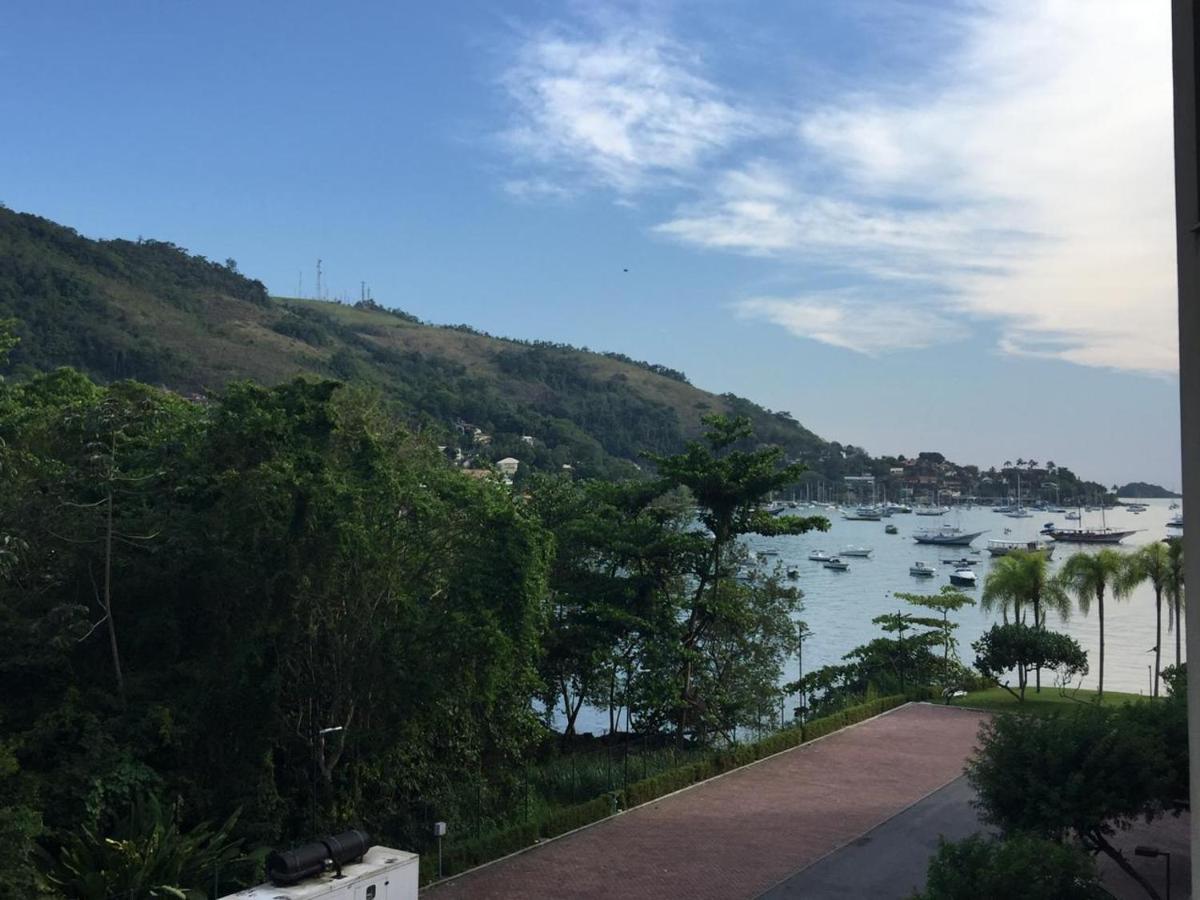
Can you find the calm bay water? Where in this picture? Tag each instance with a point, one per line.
(839, 606)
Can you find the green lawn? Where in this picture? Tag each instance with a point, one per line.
(1049, 699)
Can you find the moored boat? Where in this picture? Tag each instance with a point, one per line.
(856, 551)
(962, 578)
(818, 556)
(836, 564)
(891, 529)
(921, 569)
(1003, 548)
(954, 537)
(1090, 535)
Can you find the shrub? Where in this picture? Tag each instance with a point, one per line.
(1021, 866)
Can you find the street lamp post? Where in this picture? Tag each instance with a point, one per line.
(1143, 850)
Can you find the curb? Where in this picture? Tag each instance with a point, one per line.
(544, 841)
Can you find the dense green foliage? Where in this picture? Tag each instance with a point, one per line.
(1019, 647)
(280, 601)
(145, 855)
(981, 868)
(197, 590)
(1085, 774)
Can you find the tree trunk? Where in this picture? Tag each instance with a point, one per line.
(1178, 629)
(108, 611)
(1037, 623)
(1157, 635)
(1119, 858)
(1100, 603)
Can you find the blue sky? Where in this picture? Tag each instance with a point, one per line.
(914, 225)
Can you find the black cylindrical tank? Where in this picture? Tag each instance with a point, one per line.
(348, 846)
(286, 867)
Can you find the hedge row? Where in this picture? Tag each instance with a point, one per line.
(675, 779)
(476, 851)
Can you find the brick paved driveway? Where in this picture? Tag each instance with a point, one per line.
(736, 836)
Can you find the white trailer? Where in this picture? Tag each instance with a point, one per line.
(383, 874)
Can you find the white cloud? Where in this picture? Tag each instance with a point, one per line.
(624, 107)
(1025, 178)
(854, 324)
(1034, 187)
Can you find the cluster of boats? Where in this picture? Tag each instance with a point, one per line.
(962, 574)
(836, 563)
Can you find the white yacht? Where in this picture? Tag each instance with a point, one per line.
(962, 578)
(856, 551)
(921, 569)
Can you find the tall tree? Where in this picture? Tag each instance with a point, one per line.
(1023, 578)
(1152, 563)
(1088, 576)
(729, 485)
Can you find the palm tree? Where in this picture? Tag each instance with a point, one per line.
(1174, 590)
(1020, 578)
(1088, 576)
(1152, 563)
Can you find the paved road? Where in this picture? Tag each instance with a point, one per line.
(890, 860)
(736, 836)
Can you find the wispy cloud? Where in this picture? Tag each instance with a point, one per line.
(867, 327)
(1025, 180)
(624, 107)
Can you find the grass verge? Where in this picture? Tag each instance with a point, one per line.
(1048, 700)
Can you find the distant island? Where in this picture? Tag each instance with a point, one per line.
(1146, 491)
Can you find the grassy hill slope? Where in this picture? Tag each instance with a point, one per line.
(150, 311)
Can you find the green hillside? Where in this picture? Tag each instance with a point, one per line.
(148, 310)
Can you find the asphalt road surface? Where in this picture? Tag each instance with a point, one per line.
(890, 860)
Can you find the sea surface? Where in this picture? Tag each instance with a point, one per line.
(839, 606)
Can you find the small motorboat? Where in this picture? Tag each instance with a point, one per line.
(763, 554)
(1073, 516)
(819, 556)
(921, 569)
(836, 564)
(962, 578)
(891, 529)
(856, 551)
(963, 563)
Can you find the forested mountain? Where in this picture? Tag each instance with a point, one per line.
(148, 310)
(1146, 491)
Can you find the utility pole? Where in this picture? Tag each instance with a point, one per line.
(319, 279)
(362, 291)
